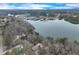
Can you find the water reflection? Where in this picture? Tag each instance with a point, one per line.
(56, 28)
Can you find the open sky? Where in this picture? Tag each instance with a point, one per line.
(38, 5)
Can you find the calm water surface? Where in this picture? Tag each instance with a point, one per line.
(56, 29)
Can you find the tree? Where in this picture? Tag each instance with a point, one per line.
(43, 14)
(63, 40)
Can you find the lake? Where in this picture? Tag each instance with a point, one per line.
(56, 29)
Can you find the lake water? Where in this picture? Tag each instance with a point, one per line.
(56, 29)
